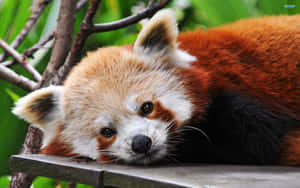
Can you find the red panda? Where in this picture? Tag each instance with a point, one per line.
(229, 94)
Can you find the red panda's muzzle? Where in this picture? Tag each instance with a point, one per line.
(141, 144)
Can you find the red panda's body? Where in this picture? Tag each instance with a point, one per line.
(258, 59)
(231, 94)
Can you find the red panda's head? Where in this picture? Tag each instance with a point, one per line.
(119, 102)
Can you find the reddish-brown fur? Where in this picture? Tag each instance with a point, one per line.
(161, 113)
(57, 147)
(259, 58)
(104, 143)
(291, 149)
(196, 81)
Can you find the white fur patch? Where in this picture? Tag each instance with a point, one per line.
(182, 58)
(131, 103)
(178, 104)
(86, 146)
(103, 120)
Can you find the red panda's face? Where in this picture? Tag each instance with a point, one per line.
(119, 107)
(118, 103)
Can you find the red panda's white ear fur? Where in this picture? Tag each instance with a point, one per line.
(42, 107)
(157, 39)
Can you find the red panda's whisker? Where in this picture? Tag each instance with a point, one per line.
(200, 131)
(104, 150)
(171, 125)
(172, 159)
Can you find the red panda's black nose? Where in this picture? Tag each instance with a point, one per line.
(141, 143)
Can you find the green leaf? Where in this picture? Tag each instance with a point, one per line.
(7, 11)
(20, 18)
(272, 7)
(12, 129)
(15, 97)
(63, 184)
(4, 181)
(83, 186)
(43, 182)
(219, 12)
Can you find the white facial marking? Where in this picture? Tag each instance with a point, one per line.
(178, 103)
(131, 103)
(86, 146)
(103, 120)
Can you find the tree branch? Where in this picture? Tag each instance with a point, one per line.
(84, 31)
(147, 12)
(18, 80)
(63, 39)
(21, 59)
(8, 63)
(28, 26)
(29, 53)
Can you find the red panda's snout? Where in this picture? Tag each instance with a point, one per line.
(141, 141)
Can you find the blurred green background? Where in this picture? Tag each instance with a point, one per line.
(191, 14)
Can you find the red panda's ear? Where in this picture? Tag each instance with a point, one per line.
(158, 38)
(42, 107)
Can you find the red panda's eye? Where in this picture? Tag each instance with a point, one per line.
(146, 108)
(107, 132)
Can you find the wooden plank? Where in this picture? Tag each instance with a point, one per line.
(177, 175)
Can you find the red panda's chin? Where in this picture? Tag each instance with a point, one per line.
(144, 159)
(153, 156)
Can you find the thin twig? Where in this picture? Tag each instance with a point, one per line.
(18, 80)
(19, 58)
(83, 33)
(8, 63)
(63, 39)
(29, 53)
(147, 12)
(28, 26)
(8, 49)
